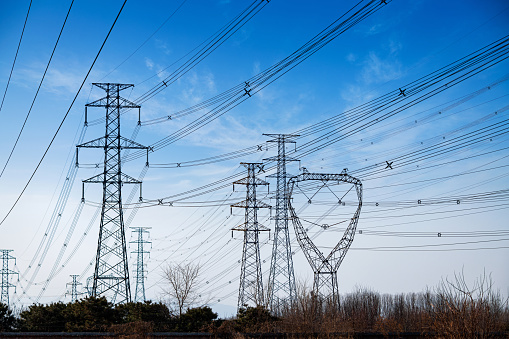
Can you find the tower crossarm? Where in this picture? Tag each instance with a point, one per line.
(252, 181)
(341, 177)
(246, 227)
(99, 179)
(251, 204)
(102, 142)
(103, 102)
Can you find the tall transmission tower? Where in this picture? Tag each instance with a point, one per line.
(74, 287)
(139, 296)
(111, 275)
(6, 272)
(282, 289)
(251, 283)
(325, 284)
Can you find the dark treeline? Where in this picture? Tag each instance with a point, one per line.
(98, 315)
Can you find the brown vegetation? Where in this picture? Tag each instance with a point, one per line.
(451, 310)
(133, 330)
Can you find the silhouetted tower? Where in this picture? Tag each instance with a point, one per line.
(111, 275)
(281, 277)
(251, 284)
(74, 287)
(6, 272)
(139, 296)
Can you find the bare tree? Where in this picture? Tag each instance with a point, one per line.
(182, 280)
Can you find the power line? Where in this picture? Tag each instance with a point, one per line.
(210, 45)
(364, 116)
(37, 92)
(428, 245)
(146, 40)
(231, 28)
(65, 116)
(16, 55)
(238, 94)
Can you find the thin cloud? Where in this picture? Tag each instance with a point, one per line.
(378, 70)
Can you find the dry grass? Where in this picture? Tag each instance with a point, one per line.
(133, 330)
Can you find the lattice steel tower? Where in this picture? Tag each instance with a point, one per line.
(281, 277)
(325, 268)
(74, 287)
(6, 272)
(139, 295)
(251, 283)
(111, 275)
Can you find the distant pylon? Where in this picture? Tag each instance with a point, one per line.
(282, 289)
(5, 275)
(74, 287)
(111, 275)
(251, 283)
(139, 296)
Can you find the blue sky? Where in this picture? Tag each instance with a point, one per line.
(399, 44)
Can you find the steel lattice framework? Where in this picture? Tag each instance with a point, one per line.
(6, 272)
(74, 287)
(251, 283)
(282, 289)
(325, 284)
(139, 295)
(111, 275)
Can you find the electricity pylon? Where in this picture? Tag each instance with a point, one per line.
(6, 272)
(74, 287)
(251, 283)
(282, 289)
(139, 295)
(111, 275)
(325, 284)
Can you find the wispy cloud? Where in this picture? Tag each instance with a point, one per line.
(58, 80)
(149, 63)
(162, 46)
(351, 57)
(376, 67)
(377, 70)
(375, 29)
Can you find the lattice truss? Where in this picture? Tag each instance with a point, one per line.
(111, 276)
(251, 283)
(282, 289)
(330, 204)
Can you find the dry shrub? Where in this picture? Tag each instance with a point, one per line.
(360, 310)
(387, 325)
(459, 311)
(133, 330)
(451, 310)
(226, 330)
(316, 316)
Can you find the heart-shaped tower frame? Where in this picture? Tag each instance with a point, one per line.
(325, 284)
